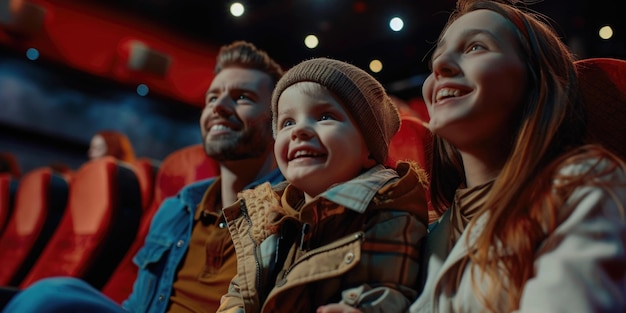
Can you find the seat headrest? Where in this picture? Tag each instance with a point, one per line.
(182, 167)
(603, 87)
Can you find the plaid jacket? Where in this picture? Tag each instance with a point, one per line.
(357, 243)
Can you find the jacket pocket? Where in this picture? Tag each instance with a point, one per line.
(150, 259)
(151, 253)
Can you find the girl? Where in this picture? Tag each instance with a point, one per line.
(534, 219)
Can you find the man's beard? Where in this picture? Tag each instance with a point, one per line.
(248, 144)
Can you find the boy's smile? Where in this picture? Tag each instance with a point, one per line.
(317, 143)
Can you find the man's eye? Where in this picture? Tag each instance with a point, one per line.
(243, 97)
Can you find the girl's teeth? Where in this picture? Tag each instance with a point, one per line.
(446, 93)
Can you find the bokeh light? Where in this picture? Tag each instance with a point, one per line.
(311, 41)
(376, 66)
(396, 24)
(237, 9)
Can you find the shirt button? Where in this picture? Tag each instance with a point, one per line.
(352, 295)
(180, 243)
(348, 258)
(161, 298)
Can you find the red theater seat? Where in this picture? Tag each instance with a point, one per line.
(146, 170)
(180, 168)
(412, 142)
(603, 87)
(40, 200)
(6, 199)
(102, 213)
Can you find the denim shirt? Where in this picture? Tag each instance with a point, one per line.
(166, 244)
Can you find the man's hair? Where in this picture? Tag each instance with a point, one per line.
(246, 55)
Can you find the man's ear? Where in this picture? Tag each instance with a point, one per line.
(370, 162)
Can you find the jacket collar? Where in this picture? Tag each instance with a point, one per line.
(355, 194)
(192, 194)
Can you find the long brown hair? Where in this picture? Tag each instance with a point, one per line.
(522, 204)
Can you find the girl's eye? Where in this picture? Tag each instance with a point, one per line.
(211, 99)
(475, 47)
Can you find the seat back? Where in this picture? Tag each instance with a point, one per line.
(40, 200)
(418, 106)
(7, 192)
(180, 168)
(10, 164)
(603, 87)
(146, 170)
(100, 220)
(412, 142)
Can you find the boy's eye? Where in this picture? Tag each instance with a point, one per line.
(326, 117)
(287, 123)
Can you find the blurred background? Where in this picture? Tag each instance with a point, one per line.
(69, 68)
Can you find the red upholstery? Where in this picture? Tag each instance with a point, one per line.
(603, 87)
(10, 164)
(146, 172)
(5, 199)
(102, 213)
(418, 106)
(412, 142)
(40, 201)
(180, 168)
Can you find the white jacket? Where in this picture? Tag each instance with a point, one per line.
(580, 267)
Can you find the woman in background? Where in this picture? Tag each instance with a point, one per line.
(111, 143)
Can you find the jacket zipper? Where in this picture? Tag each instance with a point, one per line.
(305, 230)
(244, 211)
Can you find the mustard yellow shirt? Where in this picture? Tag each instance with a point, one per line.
(210, 263)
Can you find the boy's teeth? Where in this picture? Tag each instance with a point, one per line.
(305, 153)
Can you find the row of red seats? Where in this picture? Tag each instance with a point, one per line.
(89, 225)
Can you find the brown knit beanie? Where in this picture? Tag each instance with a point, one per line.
(360, 93)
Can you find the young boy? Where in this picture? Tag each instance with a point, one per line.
(345, 228)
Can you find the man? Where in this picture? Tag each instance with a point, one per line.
(188, 259)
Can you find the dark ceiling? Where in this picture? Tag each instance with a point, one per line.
(357, 31)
